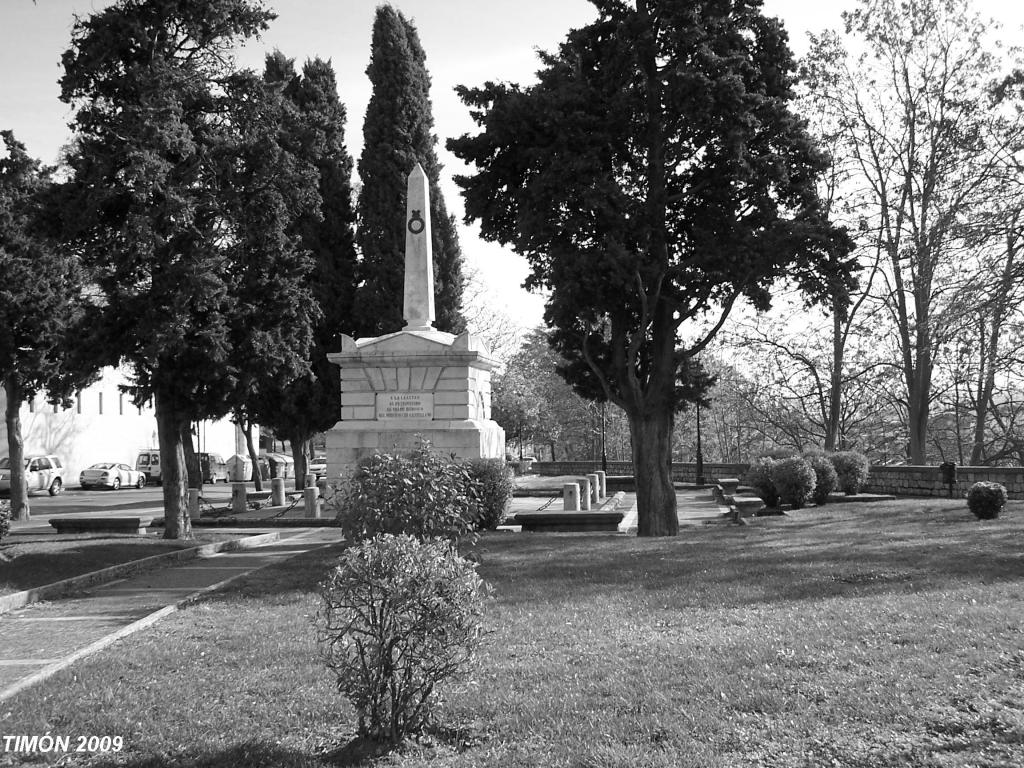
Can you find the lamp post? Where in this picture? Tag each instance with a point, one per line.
(604, 441)
(700, 453)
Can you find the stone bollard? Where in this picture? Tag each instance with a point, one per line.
(311, 498)
(277, 492)
(323, 487)
(238, 500)
(193, 504)
(571, 497)
(602, 478)
(595, 489)
(585, 494)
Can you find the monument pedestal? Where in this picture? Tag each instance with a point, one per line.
(411, 385)
(419, 383)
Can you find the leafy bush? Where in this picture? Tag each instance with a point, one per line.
(781, 452)
(5, 518)
(986, 500)
(398, 617)
(793, 480)
(759, 477)
(425, 495)
(852, 468)
(492, 485)
(825, 478)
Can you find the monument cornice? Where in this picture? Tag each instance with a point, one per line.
(370, 358)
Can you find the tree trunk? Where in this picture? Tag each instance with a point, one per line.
(298, 444)
(177, 524)
(16, 448)
(835, 390)
(918, 394)
(983, 397)
(257, 476)
(193, 466)
(652, 470)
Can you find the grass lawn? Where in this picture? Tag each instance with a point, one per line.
(859, 635)
(33, 561)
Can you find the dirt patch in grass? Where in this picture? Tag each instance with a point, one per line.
(34, 561)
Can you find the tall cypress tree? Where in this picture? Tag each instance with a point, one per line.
(316, 135)
(397, 134)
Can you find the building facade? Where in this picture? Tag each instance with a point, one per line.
(102, 424)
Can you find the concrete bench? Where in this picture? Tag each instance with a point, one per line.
(747, 506)
(729, 485)
(101, 524)
(567, 521)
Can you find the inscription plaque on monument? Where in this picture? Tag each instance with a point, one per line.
(405, 405)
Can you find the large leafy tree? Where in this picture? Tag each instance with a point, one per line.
(653, 177)
(912, 104)
(41, 304)
(315, 134)
(397, 134)
(536, 405)
(182, 196)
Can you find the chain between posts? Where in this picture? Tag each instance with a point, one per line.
(256, 506)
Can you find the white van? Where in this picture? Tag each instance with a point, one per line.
(148, 462)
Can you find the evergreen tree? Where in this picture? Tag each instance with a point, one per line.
(182, 197)
(40, 304)
(397, 134)
(654, 176)
(315, 133)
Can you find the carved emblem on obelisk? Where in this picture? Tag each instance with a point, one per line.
(418, 304)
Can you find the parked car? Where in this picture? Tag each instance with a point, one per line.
(107, 474)
(42, 473)
(318, 466)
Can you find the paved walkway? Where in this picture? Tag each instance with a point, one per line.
(40, 639)
(693, 507)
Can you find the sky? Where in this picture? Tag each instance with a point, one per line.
(466, 41)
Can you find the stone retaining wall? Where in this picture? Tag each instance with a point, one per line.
(926, 480)
(896, 480)
(682, 472)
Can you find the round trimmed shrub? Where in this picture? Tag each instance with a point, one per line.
(986, 500)
(793, 480)
(759, 477)
(424, 494)
(825, 478)
(399, 616)
(5, 518)
(852, 468)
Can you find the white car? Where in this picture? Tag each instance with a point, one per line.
(42, 473)
(318, 466)
(107, 474)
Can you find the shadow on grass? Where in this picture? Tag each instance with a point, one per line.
(840, 553)
(34, 569)
(280, 581)
(253, 754)
(357, 752)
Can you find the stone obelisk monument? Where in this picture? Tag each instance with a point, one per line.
(418, 306)
(417, 382)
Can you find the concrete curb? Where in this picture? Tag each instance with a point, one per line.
(135, 626)
(59, 588)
